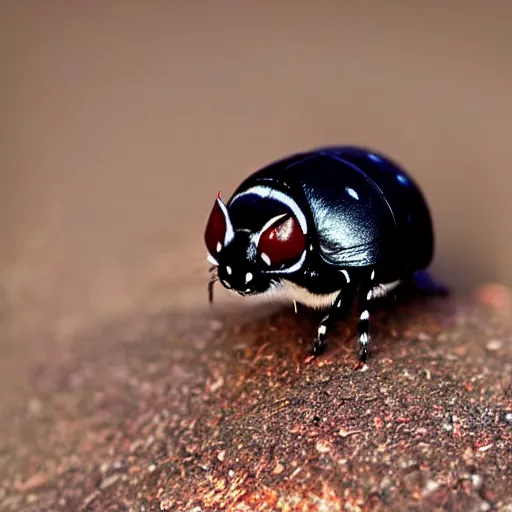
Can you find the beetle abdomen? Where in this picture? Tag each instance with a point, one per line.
(406, 201)
(350, 216)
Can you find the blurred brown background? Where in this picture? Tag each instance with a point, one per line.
(122, 120)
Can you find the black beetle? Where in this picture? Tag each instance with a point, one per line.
(322, 227)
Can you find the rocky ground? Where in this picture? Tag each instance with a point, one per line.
(215, 412)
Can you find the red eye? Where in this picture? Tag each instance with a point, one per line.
(215, 230)
(283, 242)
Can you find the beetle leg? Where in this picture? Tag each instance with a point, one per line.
(319, 343)
(365, 295)
(339, 308)
(211, 283)
(210, 290)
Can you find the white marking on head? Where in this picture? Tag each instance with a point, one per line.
(346, 274)
(279, 196)
(226, 284)
(247, 290)
(322, 329)
(365, 315)
(211, 259)
(352, 193)
(266, 259)
(229, 270)
(230, 233)
(372, 277)
(248, 277)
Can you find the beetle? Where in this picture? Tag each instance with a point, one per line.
(323, 228)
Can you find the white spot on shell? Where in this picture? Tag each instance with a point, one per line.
(322, 329)
(248, 277)
(372, 277)
(365, 315)
(229, 270)
(352, 193)
(369, 296)
(219, 246)
(346, 274)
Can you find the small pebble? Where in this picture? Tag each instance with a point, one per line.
(477, 481)
(323, 447)
(110, 480)
(216, 325)
(217, 384)
(347, 433)
(221, 455)
(495, 296)
(31, 498)
(430, 486)
(508, 417)
(494, 345)
(385, 483)
(423, 336)
(278, 469)
(35, 406)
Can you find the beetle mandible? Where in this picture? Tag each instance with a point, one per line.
(322, 228)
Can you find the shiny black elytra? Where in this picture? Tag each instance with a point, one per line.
(322, 228)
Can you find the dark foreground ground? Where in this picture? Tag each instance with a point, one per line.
(199, 413)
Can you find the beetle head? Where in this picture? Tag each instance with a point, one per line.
(253, 243)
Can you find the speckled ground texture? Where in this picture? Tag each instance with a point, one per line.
(208, 412)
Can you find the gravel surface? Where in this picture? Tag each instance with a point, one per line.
(198, 412)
